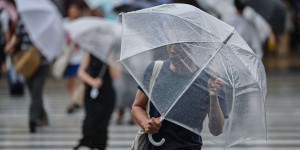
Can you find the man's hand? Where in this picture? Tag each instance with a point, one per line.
(214, 86)
(152, 125)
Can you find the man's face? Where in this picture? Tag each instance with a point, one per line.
(179, 57)
(175, 51)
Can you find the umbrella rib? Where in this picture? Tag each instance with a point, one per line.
(233, 101)
(195, 77)
(251, 76)
(166, 45)
(234, 95)
(206, 25)
(256, 82)
(225, 70)
(182, 19)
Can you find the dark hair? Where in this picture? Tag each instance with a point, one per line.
(79, 4)
(190, 2)
(239, 4)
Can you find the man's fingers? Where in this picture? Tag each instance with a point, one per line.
(155, 122)
(154, 125)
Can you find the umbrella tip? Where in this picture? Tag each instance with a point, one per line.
(120, 17)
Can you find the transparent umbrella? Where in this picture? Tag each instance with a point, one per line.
(196, 48)
(44, 25)
(100, 37)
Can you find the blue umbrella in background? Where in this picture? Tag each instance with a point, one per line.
(106, 5)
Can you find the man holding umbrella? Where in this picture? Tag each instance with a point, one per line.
(177, 68)
(201, 72)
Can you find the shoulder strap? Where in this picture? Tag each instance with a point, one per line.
(141, 135)
(156, 70)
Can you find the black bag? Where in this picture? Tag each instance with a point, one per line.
(2, 44)
(16, 89)
(16, 82)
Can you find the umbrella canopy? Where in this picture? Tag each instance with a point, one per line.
(100, 37)
(44, 25)
(195, 48)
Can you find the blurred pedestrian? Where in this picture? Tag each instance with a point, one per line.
(75, 53)
(126, 90)
(21, 42)
(8, 19)
(98, 110)
(125, 84)
(2, 43)
(246, 29)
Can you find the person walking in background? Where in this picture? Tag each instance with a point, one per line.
(126, 85)
(75, 53)
(21, 41)
(8, 19)
(125, 95)
(2, 43)
(98, 110)
(246, 29)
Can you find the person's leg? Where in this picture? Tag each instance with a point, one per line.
(36, 85)
(103, 121)
(120, 116)
(70, 83)
(89, 123)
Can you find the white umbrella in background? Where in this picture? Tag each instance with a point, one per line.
(226, 9)
(100, 37)
(44, 25)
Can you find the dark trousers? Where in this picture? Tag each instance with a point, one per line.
(97, 116)
(36, 86)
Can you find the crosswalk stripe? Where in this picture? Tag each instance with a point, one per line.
(65, 130)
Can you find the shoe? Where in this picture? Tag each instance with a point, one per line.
(43, 121)
(32, 127)
(119, 122)
(71, 109)
(77, 147)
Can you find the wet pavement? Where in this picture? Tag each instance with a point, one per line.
(283, 117)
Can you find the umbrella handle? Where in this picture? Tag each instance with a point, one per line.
(94, 93)
(161, 142)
